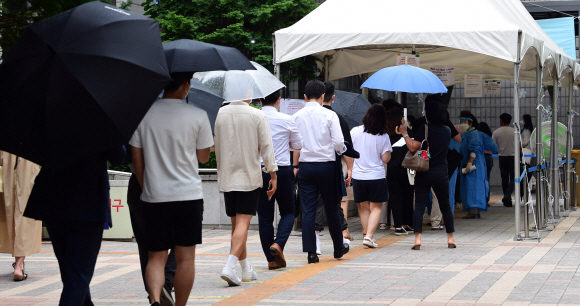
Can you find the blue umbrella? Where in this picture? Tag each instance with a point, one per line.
(405, 78)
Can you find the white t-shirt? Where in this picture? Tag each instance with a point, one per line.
(170, 134)
(371, 147)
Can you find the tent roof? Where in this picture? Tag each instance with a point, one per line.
(477, 37)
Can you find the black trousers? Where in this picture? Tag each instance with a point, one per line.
(319, 220)
(284, 196)
(76, 245)
(139, 230)
(506, 168)
(319, 179)
(438, 179)
(400, 196)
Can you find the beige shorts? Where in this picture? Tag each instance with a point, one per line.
(349, 194)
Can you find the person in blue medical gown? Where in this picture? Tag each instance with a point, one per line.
(473, 175)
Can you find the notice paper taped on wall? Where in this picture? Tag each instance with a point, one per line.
(473, 86)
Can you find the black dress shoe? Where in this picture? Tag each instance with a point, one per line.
(313, 258)
(350, 151)
(340, 253)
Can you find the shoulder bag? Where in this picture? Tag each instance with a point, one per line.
(418, 161)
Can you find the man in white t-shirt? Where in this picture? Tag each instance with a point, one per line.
(166, 148)
(504, 138)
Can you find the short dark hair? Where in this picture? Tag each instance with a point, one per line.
(177, 79)
(506, 118)
(433, 98)
(390, 103)
(434, 112)
(314, 89)
(329, 92)
(375, 121)
(394, 116)
(271, 99)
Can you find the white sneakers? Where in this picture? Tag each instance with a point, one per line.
(249, 275)
(371, 243)
(345, 241)
(230, 276)
(318, 244)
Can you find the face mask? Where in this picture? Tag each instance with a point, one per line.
(464, 126)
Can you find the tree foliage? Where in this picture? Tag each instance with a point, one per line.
(15, 15)
(247, 25)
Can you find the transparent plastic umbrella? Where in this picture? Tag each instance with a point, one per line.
(240, 84)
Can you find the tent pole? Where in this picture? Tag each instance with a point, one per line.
(568, 143)
(554, 180)
(540, 208)
(517, 139)
(276, 64)
(326, 67)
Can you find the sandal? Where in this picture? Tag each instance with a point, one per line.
(416, 247)
(19, 278)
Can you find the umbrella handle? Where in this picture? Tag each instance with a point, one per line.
(397, 130)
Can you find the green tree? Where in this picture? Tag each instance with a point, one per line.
(15, 15)
(244, 24)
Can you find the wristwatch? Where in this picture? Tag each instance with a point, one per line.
(406, 135)
(295, 166)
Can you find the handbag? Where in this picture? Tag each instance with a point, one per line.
(418, 161)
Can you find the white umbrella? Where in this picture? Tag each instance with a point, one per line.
(240, 84)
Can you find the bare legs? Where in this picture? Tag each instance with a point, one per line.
(184, 274)
(19, 266)
(155, 274)
(370, 215)
(344, 205)
(240, 225)
(364, 217)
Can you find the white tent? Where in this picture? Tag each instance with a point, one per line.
(497, 39)
(477, 37)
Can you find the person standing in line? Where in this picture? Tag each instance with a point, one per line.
(242, 135)
(75, 212)
(527, 129)
(504, 138)
(166, 148)
(140, 232)
(369, 182)
(484, 128)
(322, 138)
(474, 184)
(284, 136)
(437, 178)
(19, 236)
(345, 162)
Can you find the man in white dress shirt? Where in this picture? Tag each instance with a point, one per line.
(321, 137)
(284, 136)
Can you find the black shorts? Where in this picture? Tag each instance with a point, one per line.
(370, 190)
(242, 202)
(172, 223)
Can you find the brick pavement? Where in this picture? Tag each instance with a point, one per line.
(487, 268)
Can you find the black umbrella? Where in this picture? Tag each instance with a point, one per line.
(202, 97)
(79, 83)
(186, 55)
(352, 106)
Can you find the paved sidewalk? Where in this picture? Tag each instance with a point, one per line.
(487, 267)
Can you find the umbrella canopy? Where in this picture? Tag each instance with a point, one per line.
(186, 55)
(202, 97)
(241, 85)
(405, 78)
(352, 106)
(79, 83)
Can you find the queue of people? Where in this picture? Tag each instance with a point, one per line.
(260, 154)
